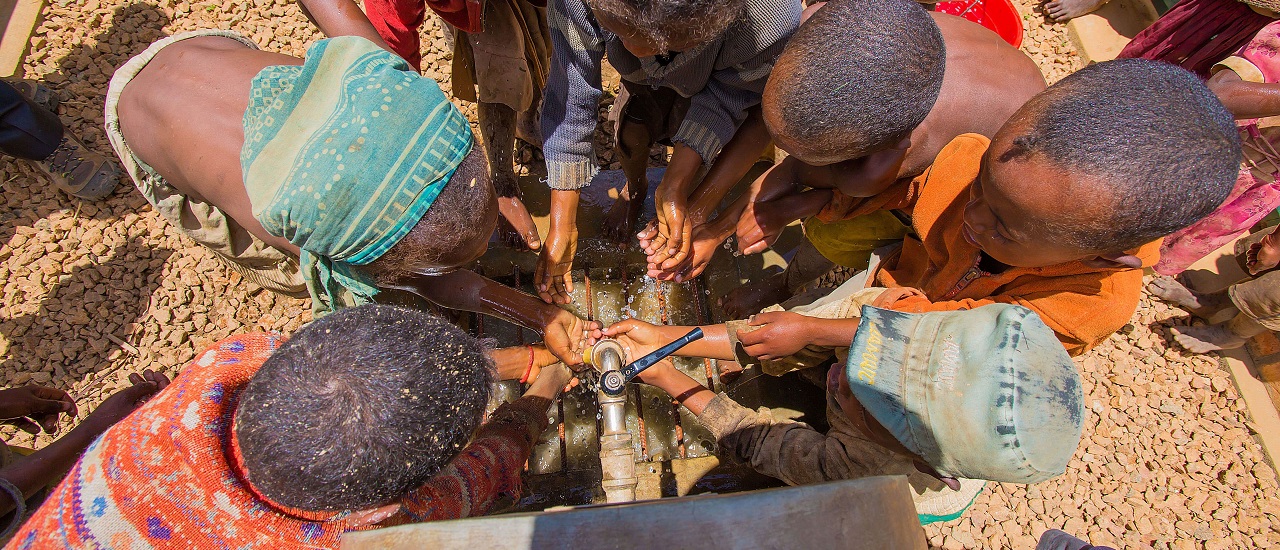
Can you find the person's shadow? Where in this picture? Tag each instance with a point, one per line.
(74, 332)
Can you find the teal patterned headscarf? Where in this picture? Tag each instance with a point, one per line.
(343, 155)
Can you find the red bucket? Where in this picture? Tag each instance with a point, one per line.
(998, 15)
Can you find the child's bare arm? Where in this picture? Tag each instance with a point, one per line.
(640, 338)
(522, 362)
(341, 18)
(1245, 99)
(678, 385)
(783, 333)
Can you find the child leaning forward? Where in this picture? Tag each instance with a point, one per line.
(948, 398)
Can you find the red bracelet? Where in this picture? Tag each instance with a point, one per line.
(529, 369)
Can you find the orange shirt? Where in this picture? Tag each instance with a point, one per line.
(1082, 304)
(166, 475)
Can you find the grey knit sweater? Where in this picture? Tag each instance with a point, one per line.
(723, 78)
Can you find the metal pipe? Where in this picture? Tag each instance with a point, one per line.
(617, 455)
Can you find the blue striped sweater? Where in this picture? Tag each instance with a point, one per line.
(722, 78)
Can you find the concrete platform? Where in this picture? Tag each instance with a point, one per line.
(1101, 35)
(18, 20)
(1255, 368)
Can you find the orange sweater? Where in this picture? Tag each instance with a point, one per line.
(1084, 305)
(166, 476)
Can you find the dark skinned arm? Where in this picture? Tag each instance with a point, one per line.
(467, 291)
(1245, 99)
(341, 18)
(553, 276)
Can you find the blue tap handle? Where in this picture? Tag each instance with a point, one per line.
(637, 366)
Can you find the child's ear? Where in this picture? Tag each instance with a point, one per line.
(1114, 260)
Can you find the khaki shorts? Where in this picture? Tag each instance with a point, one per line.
(508, 61)
(659, 111)
(1259, 297)
(205, 223)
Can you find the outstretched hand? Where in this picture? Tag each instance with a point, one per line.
(123, 402)
(704, 246)
(566, 335)
(35, 408)
(637, 337)
(760, 225)
(667, 244)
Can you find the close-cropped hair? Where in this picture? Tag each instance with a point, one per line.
(667, 22)
(858, 77)
(1167, 148)
(360, 407)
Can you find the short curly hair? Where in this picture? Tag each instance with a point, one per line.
(857, 77)
(360, 407)
(666, 22)
(1169, 149)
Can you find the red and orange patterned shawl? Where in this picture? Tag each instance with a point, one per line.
(164, 476)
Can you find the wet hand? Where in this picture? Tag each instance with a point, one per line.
(704, 246)
(33, 408)
(553, 277)
(780, 333)
(637, 337)
(123, 402)
(673, 227)
(759, 226)
(566, 335)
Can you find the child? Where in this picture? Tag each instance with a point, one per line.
(1064, 206)
(369, 416)
(690, 70)
(303, 178)
(942, 397)
(1257, 300)
(864, 97)
(500, 47)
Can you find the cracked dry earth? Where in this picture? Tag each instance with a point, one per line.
(94, 291)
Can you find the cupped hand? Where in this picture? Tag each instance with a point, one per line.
(553, 277)
(33, 408)
(566, 335)
(673, 226)
(123, 402)
(780, 333)
(705, 244)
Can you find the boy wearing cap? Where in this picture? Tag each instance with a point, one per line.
(942, 397)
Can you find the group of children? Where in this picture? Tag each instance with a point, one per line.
(1002, 226)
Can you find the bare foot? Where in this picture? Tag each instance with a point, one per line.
(619, 224)
(516, 227)
(1201, 305)
(1064, 10)
(748, 300)
(1204, 339)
